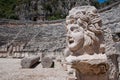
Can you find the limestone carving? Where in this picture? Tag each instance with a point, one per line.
(86, 42)
(84, 31)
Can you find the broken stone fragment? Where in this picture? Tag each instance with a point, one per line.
(47, 62)
(28, 62)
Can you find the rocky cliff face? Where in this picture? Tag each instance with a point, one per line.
(43, 9)
(39, 9)
(36, 10)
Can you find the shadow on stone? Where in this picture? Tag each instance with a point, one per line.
(35, 65)
(53, 65)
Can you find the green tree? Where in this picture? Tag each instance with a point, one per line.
(7, 9)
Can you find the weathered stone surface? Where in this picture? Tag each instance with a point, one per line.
(71, 78)
(28, 62)
(3, 55)
(111, 23)
(89, 64)
(93, 77)
(47, 62)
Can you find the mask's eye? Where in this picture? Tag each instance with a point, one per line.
(73, 28)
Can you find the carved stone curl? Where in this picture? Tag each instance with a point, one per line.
(86, 42)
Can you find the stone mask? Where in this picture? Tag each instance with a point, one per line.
(75, 36)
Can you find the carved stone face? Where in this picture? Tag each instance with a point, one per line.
(80, 23)
(75, 36)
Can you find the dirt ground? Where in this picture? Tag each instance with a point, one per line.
(10, 69)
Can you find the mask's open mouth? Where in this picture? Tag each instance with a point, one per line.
(71, 41)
